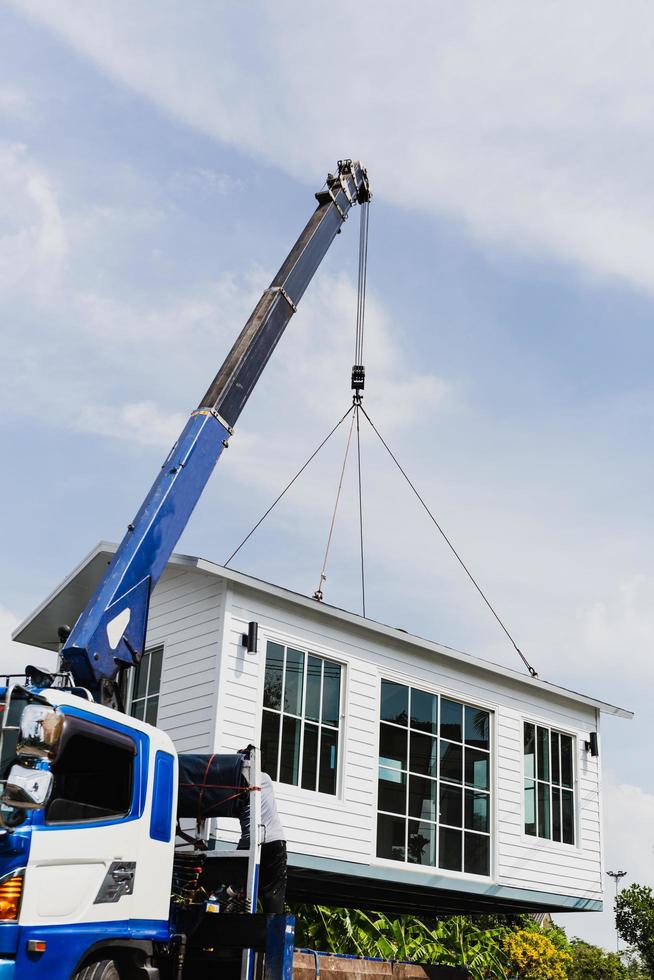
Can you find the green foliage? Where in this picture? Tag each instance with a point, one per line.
(634, 920)
(455, 941)
(491, 946)
(592, 963)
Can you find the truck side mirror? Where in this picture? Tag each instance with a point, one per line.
(41, 727)
(27, 788)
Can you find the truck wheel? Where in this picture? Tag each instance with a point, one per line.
(100, 970)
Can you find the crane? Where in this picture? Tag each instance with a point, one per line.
(109, 635)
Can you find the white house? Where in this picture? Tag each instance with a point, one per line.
(409, 776)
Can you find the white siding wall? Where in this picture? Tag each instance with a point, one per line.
(343, 827)
(186, 615)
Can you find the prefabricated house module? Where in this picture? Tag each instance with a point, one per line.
(409, 777)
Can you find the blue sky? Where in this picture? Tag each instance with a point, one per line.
(156, 163)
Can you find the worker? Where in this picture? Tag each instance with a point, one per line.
(273, 868)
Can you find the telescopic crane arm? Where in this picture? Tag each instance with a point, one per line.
(110, 632)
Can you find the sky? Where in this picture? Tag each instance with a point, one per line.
(156, 163)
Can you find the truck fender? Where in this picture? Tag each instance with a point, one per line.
(136, 955)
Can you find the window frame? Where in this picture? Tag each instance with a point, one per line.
(449, 695)
(131, 685)
(550, 842)
(295, 642)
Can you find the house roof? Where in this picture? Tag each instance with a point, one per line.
(66, 602)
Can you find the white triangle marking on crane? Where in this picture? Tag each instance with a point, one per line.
(117, 627)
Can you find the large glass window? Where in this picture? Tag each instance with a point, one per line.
(146, 686)
(301, 718)
(549, 783)
(434, 783)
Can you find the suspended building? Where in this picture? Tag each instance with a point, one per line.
(409, 777)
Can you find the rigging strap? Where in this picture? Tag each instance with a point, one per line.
(317, 595)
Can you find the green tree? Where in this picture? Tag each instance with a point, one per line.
(592, 963)
(634, 920)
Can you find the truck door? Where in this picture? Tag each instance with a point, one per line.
(92, 856)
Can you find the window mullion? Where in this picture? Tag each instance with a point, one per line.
(281, 717)
(303, 709)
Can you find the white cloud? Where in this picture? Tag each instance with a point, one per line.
(619, 628)
(13, 101)
(33, 242)
(629, 846)
(141, 423)
(529, 124)
(14, 656)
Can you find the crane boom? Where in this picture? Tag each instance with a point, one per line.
(109, 635)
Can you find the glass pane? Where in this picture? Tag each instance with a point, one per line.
(477, 860)
(394, 702)
(556, 813)
(423, 754)
(476, 727)
(294, 682)
(151, 707)
(270, 743)
(450, 849)
(141, 679)
(272, 685)
(310, 757)
(530, 807)
(477, 766)
(543, 753)
(331, 694)
(392, 747)
(451, 806)
(422, 843)
(422, 798)
(477, 811)
(451, 720)
(566, 760)
(156, 661)
(392, 791)
(567, 817)
(314, 675)
(543, 795)
(289, 763)
(424, 711)
(451, 762)
(328, 761)
(390, 837)
(530, 751)
(138, 709)
(554, 747)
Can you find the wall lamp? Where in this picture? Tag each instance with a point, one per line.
(250, 639)
(592, 745)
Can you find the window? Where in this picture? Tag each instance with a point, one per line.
(146, 685)
(434, 799)
(301, 717)
(549, 784)
(93, 777)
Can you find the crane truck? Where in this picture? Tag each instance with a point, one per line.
(89, 885)
(93, 882)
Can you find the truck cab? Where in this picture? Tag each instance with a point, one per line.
(88, 837)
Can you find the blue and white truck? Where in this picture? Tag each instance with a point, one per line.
(91, 885)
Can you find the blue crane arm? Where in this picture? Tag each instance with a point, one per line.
(109, 635)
